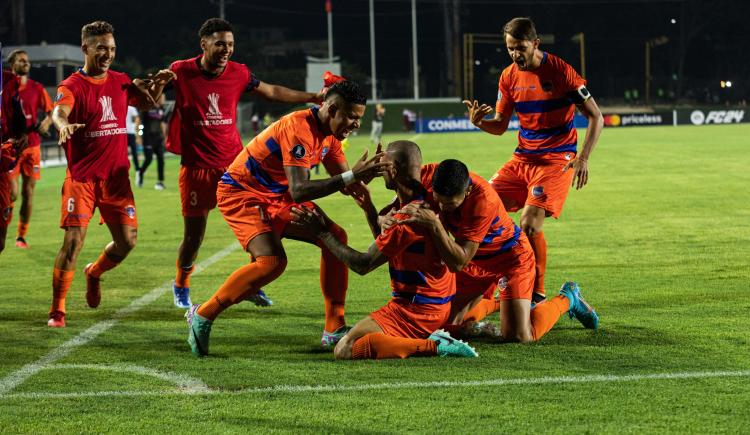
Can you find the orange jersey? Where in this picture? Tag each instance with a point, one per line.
(481, 218)
(544, 101)
(294, 140)
(415, 265)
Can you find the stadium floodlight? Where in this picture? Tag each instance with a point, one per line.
(729, 84)
(673, 21)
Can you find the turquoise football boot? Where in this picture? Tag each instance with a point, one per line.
(579, 308)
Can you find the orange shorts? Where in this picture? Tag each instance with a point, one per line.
(198, 190)
(6, 206)
(250, 215)
(542, 185)
(29, 163)
(112, 196)
(402, 318)
(513, 272)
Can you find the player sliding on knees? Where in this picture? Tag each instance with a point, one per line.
(90, 115)
(479, 241)
(422, 284)
(268, 178)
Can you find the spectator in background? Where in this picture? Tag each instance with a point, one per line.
(410, 117)
(132, 121)
(255, 123)
(377, 124)
(154, 132)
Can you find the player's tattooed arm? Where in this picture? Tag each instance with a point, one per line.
(286, 95)
(455, 253)
(478, 116)
(315, 224)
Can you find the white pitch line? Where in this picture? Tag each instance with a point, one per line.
(300, 389)
(18, 377)
(183, 382)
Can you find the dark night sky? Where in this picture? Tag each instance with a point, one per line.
(155, 32)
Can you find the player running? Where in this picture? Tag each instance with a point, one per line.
(544, 92)
(479, 241)
(90, 113)
(203, 128)
(256, 195)
(422, 284)
(32, 98)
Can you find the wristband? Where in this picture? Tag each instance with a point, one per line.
(347, 177)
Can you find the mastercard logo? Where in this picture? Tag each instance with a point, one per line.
(612, 120)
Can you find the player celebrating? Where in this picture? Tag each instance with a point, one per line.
(488, 249)
(90, 113)
(32, 98)
(544, 91)
(423, 286)
(256, 195)
(207, 90)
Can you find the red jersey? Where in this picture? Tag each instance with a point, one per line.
(99, 149)
(33, 98)
(544, 100)
(414, 263)
(294, 140)
(206, 109)
(481, 218)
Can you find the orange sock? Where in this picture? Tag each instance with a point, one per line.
(539, 246)
(182, 279)
(544, 316)
(102, 264)
(484, 308)
(334, 280)
(240, 283)
(22, 228)
(61, 280)
(380, 346)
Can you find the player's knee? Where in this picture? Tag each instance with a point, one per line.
(72, 247)
(339, 233)
(130, 242)
(272, 266)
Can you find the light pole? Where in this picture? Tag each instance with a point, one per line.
(579, 38)
(653, 42)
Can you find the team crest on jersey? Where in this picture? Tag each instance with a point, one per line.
(107, 113)
(37, 169)
(130, 211)
(502, 284)
(547, 86)
(298, 151)
(568, 156)
(59, 97)
(213, 106)
(537, 190)
(324, 152)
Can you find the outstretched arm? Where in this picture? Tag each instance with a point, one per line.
(360, 262)
(286, 95)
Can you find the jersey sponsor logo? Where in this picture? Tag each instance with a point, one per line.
(213, 106)
(537, 190)
(107, 113)
(298, 151)
(130, 211)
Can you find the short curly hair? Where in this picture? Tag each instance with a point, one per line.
(213, 25)
(349, 91)
(97, 28)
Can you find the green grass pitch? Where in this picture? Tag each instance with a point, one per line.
(659, 241)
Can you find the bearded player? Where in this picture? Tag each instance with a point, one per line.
(544, 92)
(207, 90)
(33, 98)
(90, 114)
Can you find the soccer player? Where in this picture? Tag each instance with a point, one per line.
(377, 123)
(256, 195)
(33, 98)
(544, 92)
(479, 241)
(89, 113)
(422, 284)
(207, 90)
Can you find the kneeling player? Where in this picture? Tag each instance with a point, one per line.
(422, 284)
(489, 249)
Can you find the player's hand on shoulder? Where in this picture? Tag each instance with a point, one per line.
(67, 132)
